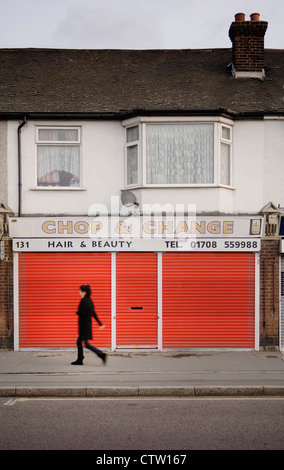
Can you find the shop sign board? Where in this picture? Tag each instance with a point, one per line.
(135, 233)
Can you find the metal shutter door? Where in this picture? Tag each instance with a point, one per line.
(208, 300)
(49, 297)
(136, 307)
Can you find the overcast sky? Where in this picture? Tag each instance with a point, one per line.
(132, 24)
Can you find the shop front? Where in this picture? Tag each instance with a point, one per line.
(179, 284)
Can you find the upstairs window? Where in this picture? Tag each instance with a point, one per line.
(58, 157)
(225, 155)
(178, 154)
(132, 148)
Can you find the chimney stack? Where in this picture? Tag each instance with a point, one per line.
(248, 46)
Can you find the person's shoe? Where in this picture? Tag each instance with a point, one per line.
(78, 362)
(104, 358)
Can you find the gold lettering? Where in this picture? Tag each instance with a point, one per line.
(46, 225)
(165, 226)
(182, 227)
(228, 227)
(198, 227)
(214, 227)
(62, 227)
(122, 228)
(78, 227)
(96, 226)
(147, 227)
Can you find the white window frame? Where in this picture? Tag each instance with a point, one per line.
(142, 122)
(58, 142)
(134, 143)
(228, 142)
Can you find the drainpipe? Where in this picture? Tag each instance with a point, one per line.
(20, 167)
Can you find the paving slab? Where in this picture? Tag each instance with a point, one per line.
(142, 373)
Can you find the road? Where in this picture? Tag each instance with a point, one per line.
(137, 423)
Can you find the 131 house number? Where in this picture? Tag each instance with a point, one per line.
(22, 244)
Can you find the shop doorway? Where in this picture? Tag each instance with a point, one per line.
(136, 300)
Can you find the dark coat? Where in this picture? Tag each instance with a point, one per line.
(86, 311)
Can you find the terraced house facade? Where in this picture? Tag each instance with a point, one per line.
(155, 176)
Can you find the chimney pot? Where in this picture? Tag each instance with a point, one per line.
(240, 17)
(254, 17)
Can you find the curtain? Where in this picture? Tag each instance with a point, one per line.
(180, 153)
(58, 135)
(132, 164)
(132, 134)
(58, 165)
(225, 164)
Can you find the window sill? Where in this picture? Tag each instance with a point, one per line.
(181, 186)
(55, 188)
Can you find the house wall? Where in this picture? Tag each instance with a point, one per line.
(6, 297)
(273, 167)
(102, 153)
(257, 169)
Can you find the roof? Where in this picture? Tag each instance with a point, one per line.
(115, 82)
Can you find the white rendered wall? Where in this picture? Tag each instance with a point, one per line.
(102, 154)
(274, 161)
(248, 154)
(258, 169)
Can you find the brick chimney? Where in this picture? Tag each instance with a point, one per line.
(248, 46)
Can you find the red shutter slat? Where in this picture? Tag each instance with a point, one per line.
(208, 300)
(49, 297)
(136, 287)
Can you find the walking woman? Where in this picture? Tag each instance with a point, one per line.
(86, 312)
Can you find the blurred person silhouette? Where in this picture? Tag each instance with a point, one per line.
(85, 312)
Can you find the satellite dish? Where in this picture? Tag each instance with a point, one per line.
(128, 199)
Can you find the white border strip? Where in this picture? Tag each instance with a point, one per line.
(113, 301)
(16, 302)
(160, 300)
(256, 297)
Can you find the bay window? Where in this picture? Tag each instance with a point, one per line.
(132, 147)
(225, 156)
(178, 154)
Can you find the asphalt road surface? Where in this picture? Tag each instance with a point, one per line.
(150, 423)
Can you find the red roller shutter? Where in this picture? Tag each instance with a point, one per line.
(136, 308)
(49, 297)
(208, 300)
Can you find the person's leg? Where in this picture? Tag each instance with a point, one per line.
(80, 347)
(80, 352)
(97, 351)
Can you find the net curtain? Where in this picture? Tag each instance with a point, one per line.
(180, 154)
(58, 164)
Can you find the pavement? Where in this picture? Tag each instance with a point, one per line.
(142, 373)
